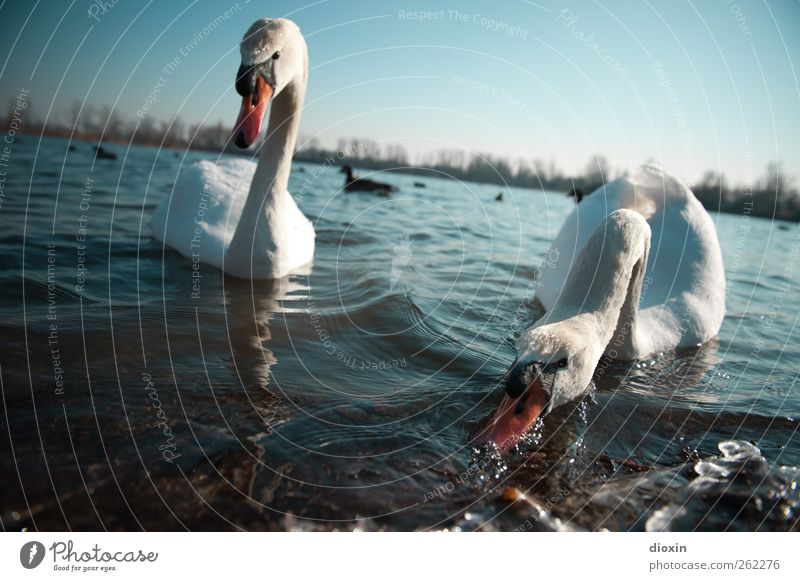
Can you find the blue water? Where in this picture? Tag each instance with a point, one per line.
(139, 393)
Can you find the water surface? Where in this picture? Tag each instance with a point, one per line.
(140, 393)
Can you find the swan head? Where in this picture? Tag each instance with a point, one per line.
(273, 56)
(554, 365)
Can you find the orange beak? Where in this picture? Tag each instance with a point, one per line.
(251, 115)
(514, 417)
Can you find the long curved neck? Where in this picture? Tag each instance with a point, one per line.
(271, 178)
(258, 246)
(605, 283)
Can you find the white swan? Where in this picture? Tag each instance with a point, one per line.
(635, 270)
(212, 217)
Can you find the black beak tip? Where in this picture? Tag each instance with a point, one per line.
(515, 380)
(241, 142)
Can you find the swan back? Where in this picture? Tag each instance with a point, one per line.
(682, 299)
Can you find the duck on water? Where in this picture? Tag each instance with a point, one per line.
(356, 184)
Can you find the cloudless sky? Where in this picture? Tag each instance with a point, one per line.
(692, 84)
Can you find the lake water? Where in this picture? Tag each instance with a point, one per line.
(139, 393)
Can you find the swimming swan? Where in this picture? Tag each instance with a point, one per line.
(635, 270)
(211, 216)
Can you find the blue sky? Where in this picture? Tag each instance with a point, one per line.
(694, 85)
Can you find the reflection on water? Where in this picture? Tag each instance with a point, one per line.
(138, 394)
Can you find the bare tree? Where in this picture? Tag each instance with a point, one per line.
(76, 118)
(598, 170)
(775, 180)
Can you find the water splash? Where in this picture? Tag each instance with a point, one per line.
(488, 465)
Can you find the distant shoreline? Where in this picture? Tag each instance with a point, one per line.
(773, 197)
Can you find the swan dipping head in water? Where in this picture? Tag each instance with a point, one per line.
(609, 295)
(557, 355)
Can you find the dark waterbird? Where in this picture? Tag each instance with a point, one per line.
(101, 153)
(576, 193)
(356, 184)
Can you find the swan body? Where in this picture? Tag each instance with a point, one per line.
(237, 215)
(636, 269)
(201, 226)
(683, 298)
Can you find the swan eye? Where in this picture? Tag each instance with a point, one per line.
(277, 55)
(562, 363)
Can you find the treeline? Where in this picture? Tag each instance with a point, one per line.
(459, 164)
(772, 195)
(84, 121)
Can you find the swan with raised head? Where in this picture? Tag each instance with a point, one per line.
(237, 215)
(635, 270)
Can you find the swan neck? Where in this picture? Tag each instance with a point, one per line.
(624, 343)
(605, 283)
(258, 247)
(271, 178)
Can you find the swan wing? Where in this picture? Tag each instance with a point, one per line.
(200, 215)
